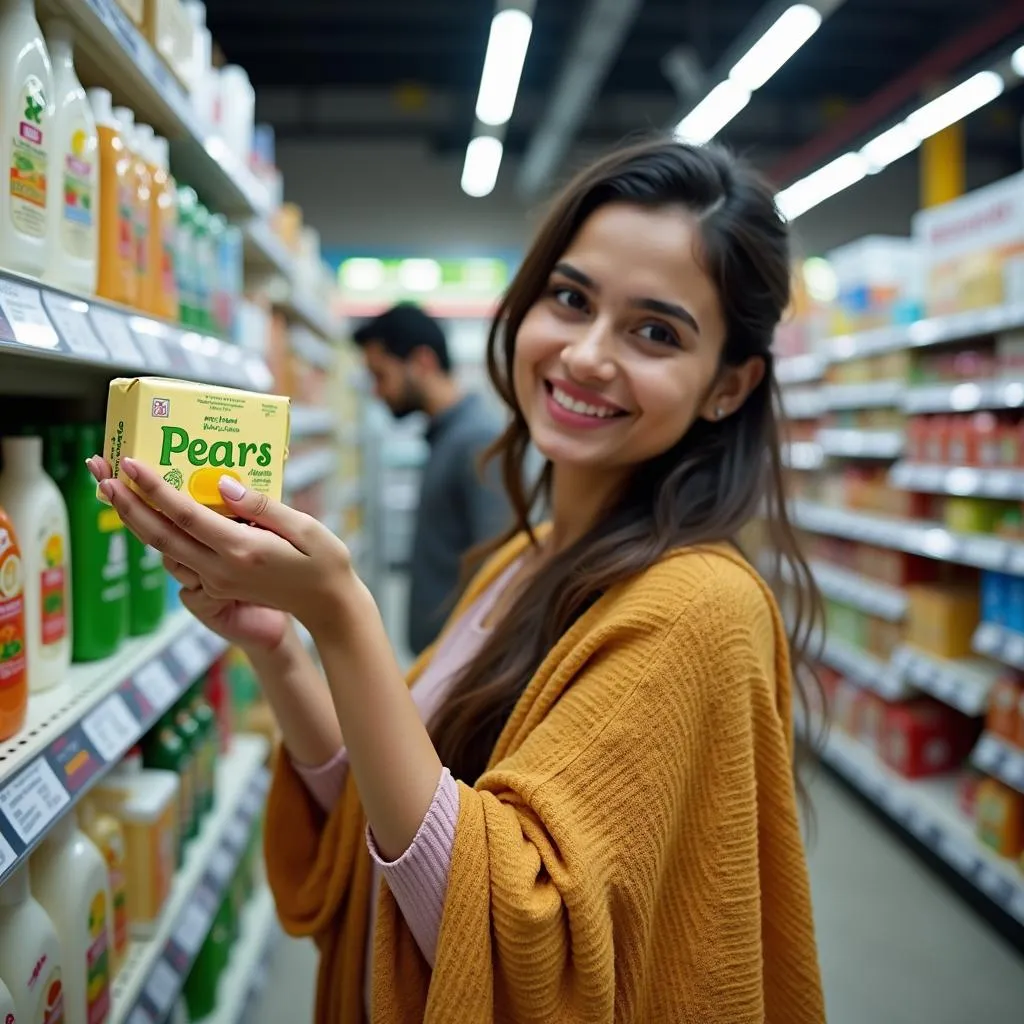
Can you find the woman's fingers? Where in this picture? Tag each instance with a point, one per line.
(99, 467)
(155, 529)
(258, 508)
(183, 574)
(201, 605)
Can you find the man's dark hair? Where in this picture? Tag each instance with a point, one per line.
(403, 329)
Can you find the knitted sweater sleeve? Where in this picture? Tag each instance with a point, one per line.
(634, 852)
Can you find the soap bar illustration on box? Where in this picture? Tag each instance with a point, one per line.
(193, 434)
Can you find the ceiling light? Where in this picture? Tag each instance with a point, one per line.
(818, 186)
(503, 66)
(1017, 61)
(888, 147)
(956, 104)
(792, 29)
(419, 275)
(480, 171)
(713, 113)
(362, 274)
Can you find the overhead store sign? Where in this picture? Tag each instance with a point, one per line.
(417, 277)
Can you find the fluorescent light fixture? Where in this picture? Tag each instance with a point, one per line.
(1017, 61)
(818, 186)
(792, 29)
(362, 274)
(503, 66)
(956, 104)
(419, 275)
(480, 171)
(713, 113)
(888, 147)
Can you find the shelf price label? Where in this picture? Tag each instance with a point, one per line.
(71, 318)
(222, 865)
(111, 728)
(156, 685)
(22, 305)
(7, 855)
(112, 328)
(33, 799)
(192, 927)
(153, 351)
(162, 987)
(189, 653)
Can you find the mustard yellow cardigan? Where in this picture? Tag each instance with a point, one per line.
(633, 852)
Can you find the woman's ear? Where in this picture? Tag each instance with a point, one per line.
(731, 389)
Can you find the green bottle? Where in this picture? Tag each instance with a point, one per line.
(147, 583)
(163, 748)
(205, 267)
(58, 445)
(201, 985)
(185, 256)
(99, 553)
(205, 717)
(188, 732)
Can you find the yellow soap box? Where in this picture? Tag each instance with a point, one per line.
(193, 434)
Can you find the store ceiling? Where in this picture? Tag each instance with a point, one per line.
(386, 69)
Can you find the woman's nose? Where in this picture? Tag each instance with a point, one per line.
(591, 356)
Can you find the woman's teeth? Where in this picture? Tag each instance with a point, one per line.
(582, 408)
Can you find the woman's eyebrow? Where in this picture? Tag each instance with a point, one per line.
(569, 271)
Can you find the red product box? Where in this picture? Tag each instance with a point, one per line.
(924, 737)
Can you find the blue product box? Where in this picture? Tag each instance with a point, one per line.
(995, 598)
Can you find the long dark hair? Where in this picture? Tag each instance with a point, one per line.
(706, 488)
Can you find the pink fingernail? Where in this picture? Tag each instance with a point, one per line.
(107, 487)
(231, 488)
(130, 469)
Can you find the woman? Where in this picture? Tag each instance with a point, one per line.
(598, 820)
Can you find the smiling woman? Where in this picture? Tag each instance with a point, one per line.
(585, 806)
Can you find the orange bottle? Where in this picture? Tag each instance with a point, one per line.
(116, 278)
(135, 139)
(163, 229)
(13, 665)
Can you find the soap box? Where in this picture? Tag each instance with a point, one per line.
(193, 434)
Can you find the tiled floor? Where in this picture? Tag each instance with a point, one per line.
(897, 947)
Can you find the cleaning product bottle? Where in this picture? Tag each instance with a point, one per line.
(188, 732)
(163, 749)
(74, 239)
(201, 984)
(185, 255)
(146, 583)
(163, 230)
(149, 282)
(58, 442)
(116, 279)
(7, 1007)
(36, 508)
(30, 954)
(107, 833)
(69, 878)
(209, 745)
(216, 225)
(204, 267)
(99, 557)
(140, 191)
(26, 138)
(13, 660)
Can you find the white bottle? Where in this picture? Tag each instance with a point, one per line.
(30, 954)
(26, 139)
(36, 507)
(73, 213)
(69, 878)
(8, 1011)
(237, 111)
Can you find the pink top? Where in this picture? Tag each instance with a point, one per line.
(419, 878)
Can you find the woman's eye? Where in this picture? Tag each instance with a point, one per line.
(569, 297)
(660, 333)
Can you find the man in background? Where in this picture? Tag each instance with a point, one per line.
(406, 353)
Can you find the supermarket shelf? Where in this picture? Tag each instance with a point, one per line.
(77, 731)
(265, 251)
(975, 323)
(305, 310)
(311, 421)
(305, 470)
(864, 669)
(803, 369)
(995, 756)
(805, 404)
(999, 642)
(960, 480)
(964, 396)
(114, 52)
(852, 588)
(155, 969)
(45, 324)
(806, 455)
(962, 684)
(917, 537)
(928, 810)
(878, 394)
(243, 979)
(861, 444)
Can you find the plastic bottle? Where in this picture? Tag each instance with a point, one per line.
(26, 139)
(209, 749)
(238, 109)
(188, 732)
(201, 984)
(205, 267)
(141, 188)
(163, 230)
(216, 225)
(185, 256)
(69, 878)
(165, 750)
(107, 833)
(147, 586)
(13, 659)
(73, 228)
(30, 954)
(150, 282)
(36, 508)
(116, 279)
(7, 1008)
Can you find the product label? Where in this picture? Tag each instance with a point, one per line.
(114, 853)
(168, 234)
(51, 1009)
(28, 160)
(77, 224)
(97, 963)
(53, 582)
(12, 615)
(125, 222)
(115, 566)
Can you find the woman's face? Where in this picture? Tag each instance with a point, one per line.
(619, 356)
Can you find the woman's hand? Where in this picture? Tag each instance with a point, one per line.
(293, 565)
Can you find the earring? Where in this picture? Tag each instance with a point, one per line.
(719, 412)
